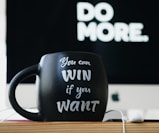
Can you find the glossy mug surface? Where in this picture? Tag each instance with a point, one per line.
(72, 86)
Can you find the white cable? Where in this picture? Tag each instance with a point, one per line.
(4, 110)
(11, 113)
(122, 118)
(6, 118)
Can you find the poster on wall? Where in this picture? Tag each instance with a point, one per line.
(123, 33)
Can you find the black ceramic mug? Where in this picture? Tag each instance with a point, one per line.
(72, 86)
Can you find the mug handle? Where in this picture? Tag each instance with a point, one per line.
(27, 72)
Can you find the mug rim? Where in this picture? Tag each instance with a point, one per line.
(72, 52)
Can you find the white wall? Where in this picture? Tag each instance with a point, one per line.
(2, 53)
